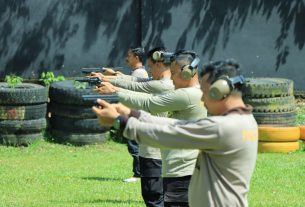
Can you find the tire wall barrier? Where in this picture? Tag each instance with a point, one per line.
(72, 120)
(274, 110)
(278, 139)
(272, 100)
(22, 113)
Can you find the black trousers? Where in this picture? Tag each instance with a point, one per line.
(176, 191)
(133, 149)
(151, 182)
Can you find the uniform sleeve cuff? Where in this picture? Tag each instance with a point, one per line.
(135, 114)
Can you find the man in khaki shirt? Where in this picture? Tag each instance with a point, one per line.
(227, 140)
(150, 158)
(135, 62)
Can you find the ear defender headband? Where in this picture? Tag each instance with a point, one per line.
(188, 71)
(162, 56)
(137, 50)
(223, 86)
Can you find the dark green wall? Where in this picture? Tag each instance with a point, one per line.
(62, 36)
(266, 36)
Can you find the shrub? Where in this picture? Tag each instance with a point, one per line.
(13, 80)
(48, 78)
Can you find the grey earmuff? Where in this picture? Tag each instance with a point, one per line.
(162, 56)
(188, 71)
(223, 86)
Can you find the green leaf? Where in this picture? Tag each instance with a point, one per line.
(13, 80)
(48, 78)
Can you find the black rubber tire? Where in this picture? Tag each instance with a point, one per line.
(71, 111)
(25, 112)
(78, 138)
(65, 92)
(299, 94)
(76, 125)
(20, 139)
(280, 119)
(277, 104)
(267, 87)
(23, 94)
(22, 127)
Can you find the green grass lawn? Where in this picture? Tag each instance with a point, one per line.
(47, 174)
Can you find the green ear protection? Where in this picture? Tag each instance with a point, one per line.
(188, 71)
(162, 56)
(223, 86)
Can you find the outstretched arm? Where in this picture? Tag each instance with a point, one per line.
(170, 133)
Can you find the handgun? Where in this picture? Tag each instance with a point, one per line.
(92, 81)
(99, 70)
(92, 99)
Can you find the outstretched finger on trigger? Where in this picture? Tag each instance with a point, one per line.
(102, 103)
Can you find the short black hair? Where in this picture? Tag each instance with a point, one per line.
(138, 51)
(220, 68)
(151, 52)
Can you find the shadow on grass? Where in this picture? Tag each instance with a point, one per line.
(101, 179)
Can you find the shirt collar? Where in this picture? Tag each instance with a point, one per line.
(240, 110)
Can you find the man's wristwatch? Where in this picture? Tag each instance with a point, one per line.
(117, 123)
(120, 122)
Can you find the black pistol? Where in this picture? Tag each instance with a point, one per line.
(92, 99)
(99, 70)
(92, 81)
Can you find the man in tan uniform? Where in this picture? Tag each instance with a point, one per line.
(149, 157)
(135, 62)
(227, 140)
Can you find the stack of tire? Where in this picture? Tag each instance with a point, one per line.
(72, 120)
(274, 110)
(22, 113)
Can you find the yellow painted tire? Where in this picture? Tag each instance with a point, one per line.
(278, 146)
(302, 132)
(278, 134)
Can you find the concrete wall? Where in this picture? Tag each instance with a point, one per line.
(62, 36)
(266, 36)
